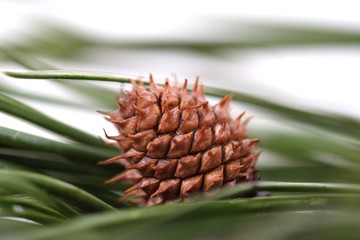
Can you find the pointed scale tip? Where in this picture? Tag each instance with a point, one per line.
(109, 116)
(132, 175)
(109, 161)
(149, 185)
(135, 193)
(134, 84)
(205, 104)
(167, 85)
(106, 135)
(196, 106)
(103, 112)
(236, 123)
(126, 156)
(198, 92)
(257, 154)
(151, 77)
(146, 166)
(254, 141)
(139, 110)
(184, 86)
(196, 85)
(247, 120)
(123, 142)
(154, 201)
(167, 188)
(200, 88)
(250, 143)
(238, 118)
(108, 142)
(153, 87)
(250, 161)
(225, 101)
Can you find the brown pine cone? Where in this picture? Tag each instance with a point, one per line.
(174, 144)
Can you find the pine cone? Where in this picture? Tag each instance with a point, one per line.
(175, 145)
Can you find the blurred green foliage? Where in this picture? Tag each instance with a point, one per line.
(58, 189)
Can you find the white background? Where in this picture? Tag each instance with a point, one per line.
(324, 78)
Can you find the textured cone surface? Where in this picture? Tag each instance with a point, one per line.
(174, 144)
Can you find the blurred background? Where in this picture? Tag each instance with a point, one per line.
(279, 55)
